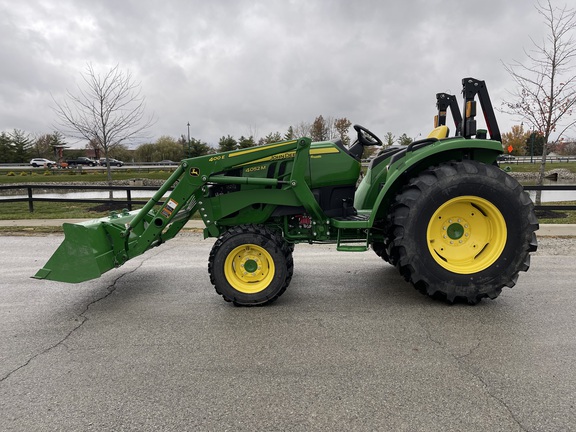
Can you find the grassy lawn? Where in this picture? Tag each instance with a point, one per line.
(59, 210)
(67, 176)
(558, 216)
(527, 167)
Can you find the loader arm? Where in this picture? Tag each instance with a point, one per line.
(94, 247)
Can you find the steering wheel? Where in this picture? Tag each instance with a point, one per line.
(366, 137)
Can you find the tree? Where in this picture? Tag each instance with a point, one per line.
(272, 137)
(341, 127)
(145, 153)
(6, 150)
(167, 148)
(319, 129)
(244, 142)
(289, 135)
(546, 83)
(199, 148)
(404, 140)
(389, 139)
(45, 145)
(534, 144)
(227, 143)
(516, 139)
(21, 145)
(108, 110)
(567, 148)
(302, 129)
(121, 152)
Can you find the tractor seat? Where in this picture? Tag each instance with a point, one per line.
(439, 132)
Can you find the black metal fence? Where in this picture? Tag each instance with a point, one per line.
(31, 198)
(129, 201)
(553, 188)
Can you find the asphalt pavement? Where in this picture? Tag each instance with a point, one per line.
(350, 346)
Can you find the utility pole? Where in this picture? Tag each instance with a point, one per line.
(189, 149)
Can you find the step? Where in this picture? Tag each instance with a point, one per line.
(361, 220)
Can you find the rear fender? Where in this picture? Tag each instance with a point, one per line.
(408, 163)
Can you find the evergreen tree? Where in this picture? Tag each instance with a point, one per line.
(404, 140)
(199, 148)
(272, 137)
(227, 143)
(535, 144)
(6, 149)
(289, 135)
(21, 145)
(244, 142)
(389, 139)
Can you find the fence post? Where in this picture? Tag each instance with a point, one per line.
(30, 200)
(129, 199)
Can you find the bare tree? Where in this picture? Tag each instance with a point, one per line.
(302, 129)
(546, 93)
(108, 110)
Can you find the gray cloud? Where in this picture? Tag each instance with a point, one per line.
(235, 67)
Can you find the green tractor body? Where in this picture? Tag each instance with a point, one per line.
(439, 209)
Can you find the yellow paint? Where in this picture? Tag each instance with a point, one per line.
(439, 132)
(466, 235)
(289, 155)
(257, 149)
(249, 268)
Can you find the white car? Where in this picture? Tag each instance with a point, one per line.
(41, 162)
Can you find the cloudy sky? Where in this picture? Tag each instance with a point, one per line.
(244, 67)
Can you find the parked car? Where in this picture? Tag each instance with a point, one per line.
(113, 162)
(41, 162)
(81, 161)
(505, 157)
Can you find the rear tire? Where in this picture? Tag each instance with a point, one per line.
(462, 231)
(250, 265)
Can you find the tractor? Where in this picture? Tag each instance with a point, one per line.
(440, 210)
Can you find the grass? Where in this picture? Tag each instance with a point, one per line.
(49, 210)
(24, 231)
(558, 216)
(59, 176)
(527, 167)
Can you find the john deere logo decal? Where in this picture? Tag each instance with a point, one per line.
(194, 172)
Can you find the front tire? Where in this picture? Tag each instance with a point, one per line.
(250, 265)
(462, 231)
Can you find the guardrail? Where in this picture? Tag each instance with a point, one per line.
(31, 199)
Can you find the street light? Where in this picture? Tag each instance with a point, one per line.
(189, 147)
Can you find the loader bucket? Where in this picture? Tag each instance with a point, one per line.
(93, 247)
(86, 253)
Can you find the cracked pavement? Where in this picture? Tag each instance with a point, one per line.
(349, 347)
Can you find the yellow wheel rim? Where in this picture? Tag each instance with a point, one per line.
(466, 234)
(249, 268)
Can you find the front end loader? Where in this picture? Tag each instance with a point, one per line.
(440, 210)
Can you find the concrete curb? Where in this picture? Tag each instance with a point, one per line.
(549, 230)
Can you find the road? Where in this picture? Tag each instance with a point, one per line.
(349, 347)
